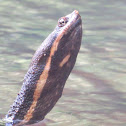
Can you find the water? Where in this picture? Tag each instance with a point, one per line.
(95, 93)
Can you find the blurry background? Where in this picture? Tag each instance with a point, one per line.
(95, 93)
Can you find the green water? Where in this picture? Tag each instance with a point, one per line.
(95, 93)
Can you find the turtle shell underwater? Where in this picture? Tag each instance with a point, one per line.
(49, 69)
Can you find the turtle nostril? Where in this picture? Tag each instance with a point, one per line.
(76, 11)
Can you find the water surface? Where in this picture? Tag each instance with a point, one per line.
(95, 93)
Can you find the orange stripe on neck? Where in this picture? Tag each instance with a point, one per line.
(43, 78)
(41, 82)
(64, 60)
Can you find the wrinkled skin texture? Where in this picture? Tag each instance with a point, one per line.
(50, 67)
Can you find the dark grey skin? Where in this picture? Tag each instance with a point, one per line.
(69, 29)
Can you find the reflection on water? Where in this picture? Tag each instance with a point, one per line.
(95, 93)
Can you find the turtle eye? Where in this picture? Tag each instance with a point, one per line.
(62, 21)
